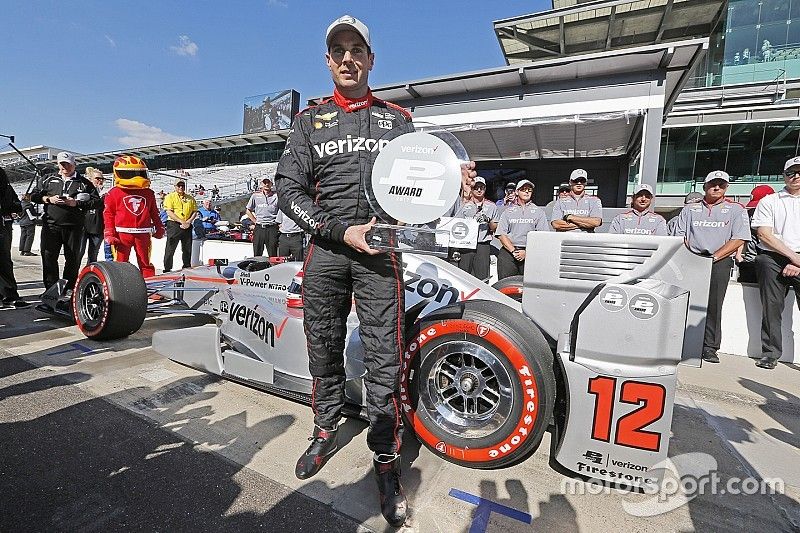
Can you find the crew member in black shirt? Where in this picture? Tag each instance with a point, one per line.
(9, 204)
(66, 197)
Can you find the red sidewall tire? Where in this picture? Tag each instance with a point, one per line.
(90, 275)
(110, 300)
(528, 367)
(511, 286)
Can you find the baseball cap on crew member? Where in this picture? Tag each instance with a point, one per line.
(522, 183)
(180, 183)
(511, 186)
(642, 187)
(793, 162)
(347, 22)
(577, 174)
(717, 175)
(693, 198)
(65, 157)
(564, 187)
(758, 192)
(478, 180)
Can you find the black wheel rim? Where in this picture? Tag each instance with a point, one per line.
(466, 389)
(91, 303)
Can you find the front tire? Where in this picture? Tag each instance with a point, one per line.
(110, 300)
(477, 384)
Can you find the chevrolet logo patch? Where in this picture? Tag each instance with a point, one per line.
(328, 116)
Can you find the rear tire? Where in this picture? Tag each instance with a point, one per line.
(477, 384)
(511, 286)
(110, 300)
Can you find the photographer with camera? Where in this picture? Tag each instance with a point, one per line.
(66, 197)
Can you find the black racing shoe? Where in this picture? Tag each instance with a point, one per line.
(711, 357)
(393, 501)
(323, 446)
(767, 362)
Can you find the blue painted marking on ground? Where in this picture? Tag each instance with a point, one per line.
(485, 508)
(75, 347)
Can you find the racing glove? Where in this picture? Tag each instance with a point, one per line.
(159, 233)
(113, 239)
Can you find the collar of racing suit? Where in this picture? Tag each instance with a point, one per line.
(352, 104)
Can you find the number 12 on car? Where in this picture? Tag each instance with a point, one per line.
(629, 428)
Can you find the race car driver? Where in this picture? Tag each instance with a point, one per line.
(320, 180)
(131, 214)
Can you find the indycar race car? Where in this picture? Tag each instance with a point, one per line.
(587, 344)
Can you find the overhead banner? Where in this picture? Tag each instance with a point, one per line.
(270, 112)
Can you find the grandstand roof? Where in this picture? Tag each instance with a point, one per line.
(604, 25)
(227, 141)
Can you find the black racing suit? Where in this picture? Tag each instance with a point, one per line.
(321, 185)
(63, 225)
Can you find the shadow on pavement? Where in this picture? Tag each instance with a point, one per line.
(716, 507)
(94, 466)
(781, 406)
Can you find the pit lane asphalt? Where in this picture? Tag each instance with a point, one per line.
(111, 436)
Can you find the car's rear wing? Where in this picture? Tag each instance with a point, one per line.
(562, 269)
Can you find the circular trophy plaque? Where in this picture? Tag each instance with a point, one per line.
(416, 177)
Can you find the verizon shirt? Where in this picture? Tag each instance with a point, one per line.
(707, 227)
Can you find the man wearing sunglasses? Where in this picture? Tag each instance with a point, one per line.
(66, 198)
(715, 227)
(577, 211)
(777, 222)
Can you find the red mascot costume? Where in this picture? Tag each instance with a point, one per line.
(131, 213)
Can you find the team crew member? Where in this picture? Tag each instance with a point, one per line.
(290, 240)
(181, 212)
(691, 198)
(512, 231)
(577, 211)
(715, 227)
(131, 214)
(27, 225)
(65, 196)
(640, 220)
(777, 221)
(9, 205)
(477, 207)
(262, 208)
(93, 223)
(322, 190)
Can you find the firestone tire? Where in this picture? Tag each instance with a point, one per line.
(110, 300)
(510, 286)
(477, 384)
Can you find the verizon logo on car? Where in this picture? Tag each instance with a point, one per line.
(254, 321)
(348, 145)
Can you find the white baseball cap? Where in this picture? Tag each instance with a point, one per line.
(480, 180)
(577, 174)
(65, 157)
(793, 162)
(522, 183)
(717, 175)
(643, 187)
(347, 22)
